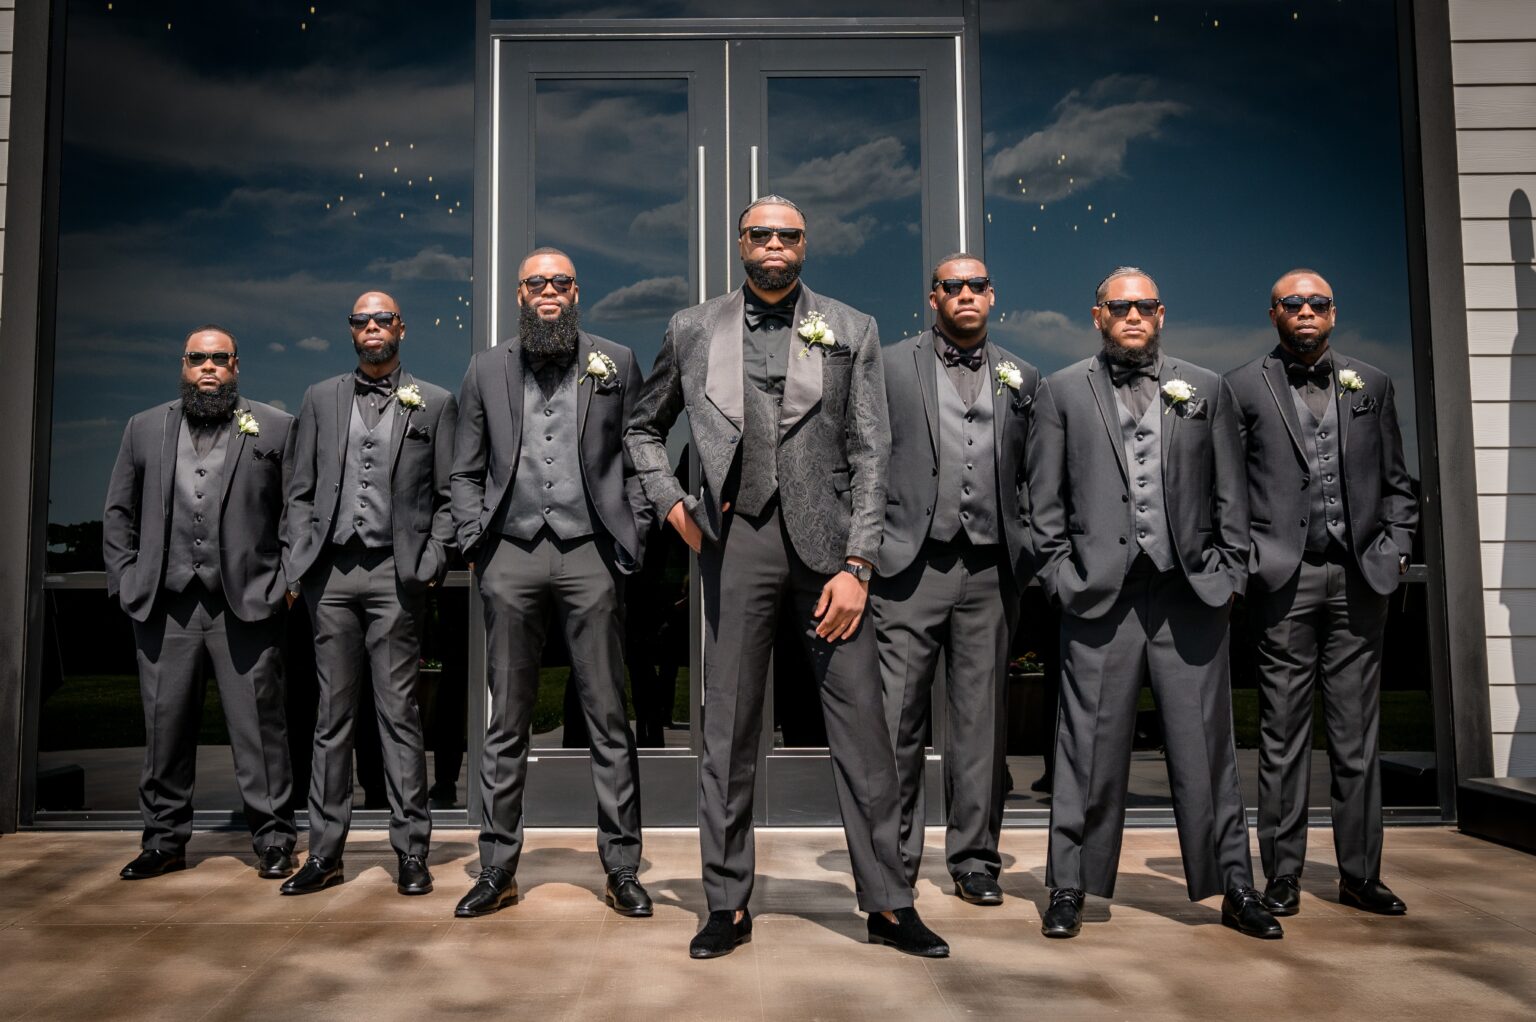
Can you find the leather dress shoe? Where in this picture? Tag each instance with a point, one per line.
(624, 894)
(907, 934)
(153, 862)
(721, 934)
(1282, 895)
(979, 889)
(1243, 910)
(415, 878)
(316, 874)
(275, 862)
(494, 888)
(1065, 916)
(1370, 895)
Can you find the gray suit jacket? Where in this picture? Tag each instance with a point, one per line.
(137, 521)
(834, 439)
(1383, 512)
(421, 457)
(1079, 486)
(911, 492)
(490, 436)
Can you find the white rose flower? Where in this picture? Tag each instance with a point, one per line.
(1178, 391)
(1010, 376)
(246, 423)
(813, 329)
(601, 368)
(410, 396)
(1350, 380)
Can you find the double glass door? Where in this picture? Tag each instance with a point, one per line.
(635, 156)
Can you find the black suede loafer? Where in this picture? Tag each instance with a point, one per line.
(275, 863)
(493, 889)
(721, 934)
(315, 875)
(154, 862)
(1065, 916)
(415, 878)
(624, 894)
(1282, 895)
(1370, 895)
(979, 889)
(907, 934)
(1243, 910)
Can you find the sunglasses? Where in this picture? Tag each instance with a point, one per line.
(1118, 307)
(359, 320)
(1293, 303)
(222, 359)
(561, 282)
(952, 285)
(788, 235)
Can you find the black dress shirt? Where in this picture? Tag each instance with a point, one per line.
(1314, 383)
(373, 396)
(767, 337)
(965, 367)
(1135, 386)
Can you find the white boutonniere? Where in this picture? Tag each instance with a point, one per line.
(1177, 392)
(410, 396)
(814, 330)
(1010, 376)
(602, 370)
(1350, 380)
(246, 423)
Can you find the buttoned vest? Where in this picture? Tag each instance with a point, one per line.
(967, 495)
(197, 496)
(363, 511)
(547, 489)
(1144, 463)
(1326, 516)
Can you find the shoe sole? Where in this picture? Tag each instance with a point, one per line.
(150, 876)
(1060, 934)
(1280, 911)
(496, 906)
(329, 883)
(267, 874)
(411, 892)
(637, 913)
(1374, 911)
(702, 953)
(929, 953)
(986, 899)
(1266, 935)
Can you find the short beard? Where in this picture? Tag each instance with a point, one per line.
(764, 279)
(383, 356)
(206, 406)
(1306, 345)
(1144, 355)
(553, 340)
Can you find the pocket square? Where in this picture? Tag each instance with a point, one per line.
(266, 455)
(417, 433)
(1367, 404)
(1195, 409)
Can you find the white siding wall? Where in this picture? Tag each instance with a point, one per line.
(1493, 62)
(7, 44)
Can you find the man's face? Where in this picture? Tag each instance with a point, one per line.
(962, 315)
(772, 263)
(209, 377)
(1129, 327)
(1306, 329)
(377, 342)
(544, 296)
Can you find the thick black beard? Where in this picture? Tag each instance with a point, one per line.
(1306, 346)
(205, 406)
(765, 279)
(1144, 355)
(554, 340)
(377, 358)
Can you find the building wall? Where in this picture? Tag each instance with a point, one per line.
(7, 45)
(1493, 64)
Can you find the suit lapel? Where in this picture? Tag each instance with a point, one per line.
(514, 349)
(397, 435)
(168, 456)
(927, 382)
(585, 391)
(1003, 398)
(1274, 379)
(345, 399)
(802, 379)
(1342, 406)
(233, 450)
(1171, 420)
(1109, 411)
(724, 380)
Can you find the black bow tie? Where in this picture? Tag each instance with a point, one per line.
(1318, 375)
(1121, 374)
(382, 387)
(954, 356)
(780, 315)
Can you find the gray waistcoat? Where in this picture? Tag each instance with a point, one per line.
(363, 509)
(198, 492)
(548, 489)
(758, 480)
(967, 498)
(1144, 459)
(1326, 516)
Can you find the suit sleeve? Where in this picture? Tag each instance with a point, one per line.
(634, 492)
(120, 519)
(1029, 557)
(442, 482)
(1230, 536)
(1045, 464)
(1399, 507)
(656, 408)
(299, 484)
(869, 447)
(470, 455)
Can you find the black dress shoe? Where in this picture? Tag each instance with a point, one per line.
(1370, 895)
(153, 862)
(415, 878)
(1065, 916)
(275, 863)
(493, 889)
(721, 934)
(316, 874)
(624, 894)
(1282, 895)
(1243, 910)
(907, 934)
(979, 889)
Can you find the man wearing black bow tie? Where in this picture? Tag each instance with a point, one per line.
(369, 527)
(1333, 515)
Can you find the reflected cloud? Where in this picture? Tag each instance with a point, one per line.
(853, 179)
(313, 344)
(671, 219)
(655, 298)
(431, 263)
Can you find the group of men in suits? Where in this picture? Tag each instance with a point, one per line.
(891, 505)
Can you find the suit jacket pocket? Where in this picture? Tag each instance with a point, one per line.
(418, 433)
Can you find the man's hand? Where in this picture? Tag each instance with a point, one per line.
(841, 607)
(686, 527)
(290, 596)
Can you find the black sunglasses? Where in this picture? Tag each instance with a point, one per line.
(561, 282)
(952, 285)
(218, 358)
(1293, 303)
(359, 320)
(788, 235)
(1122, 307)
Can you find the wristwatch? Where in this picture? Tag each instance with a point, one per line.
(862, 572)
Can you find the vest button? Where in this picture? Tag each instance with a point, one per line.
(1124, 499)
(935, 471)
(1302, 523)
(1122, 541)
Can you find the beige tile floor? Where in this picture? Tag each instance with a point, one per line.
(217, 942)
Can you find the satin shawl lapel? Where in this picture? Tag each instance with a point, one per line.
(585, 390)
(514, 347)
(346, 397)
(397, 435)
(1169, 413)
(802, 379)
(927, 382)
(1274, 379)
(168, 456)
(1109, 411)
(1344, 406)
(725, 378)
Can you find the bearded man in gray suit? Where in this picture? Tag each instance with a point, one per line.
(786, 404)
(1140, 515)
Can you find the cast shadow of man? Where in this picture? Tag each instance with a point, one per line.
(1522, 616)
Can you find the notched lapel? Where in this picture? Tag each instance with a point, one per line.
(802, 378)
(234, 454)
(1104, 395)
(724, 378)
(1170, 422)
(585, 390)
(927, 383)
(1274, 379)
(514, 370)
(1343, 403)
(168, 456)
(345, 399)
(397, 435)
